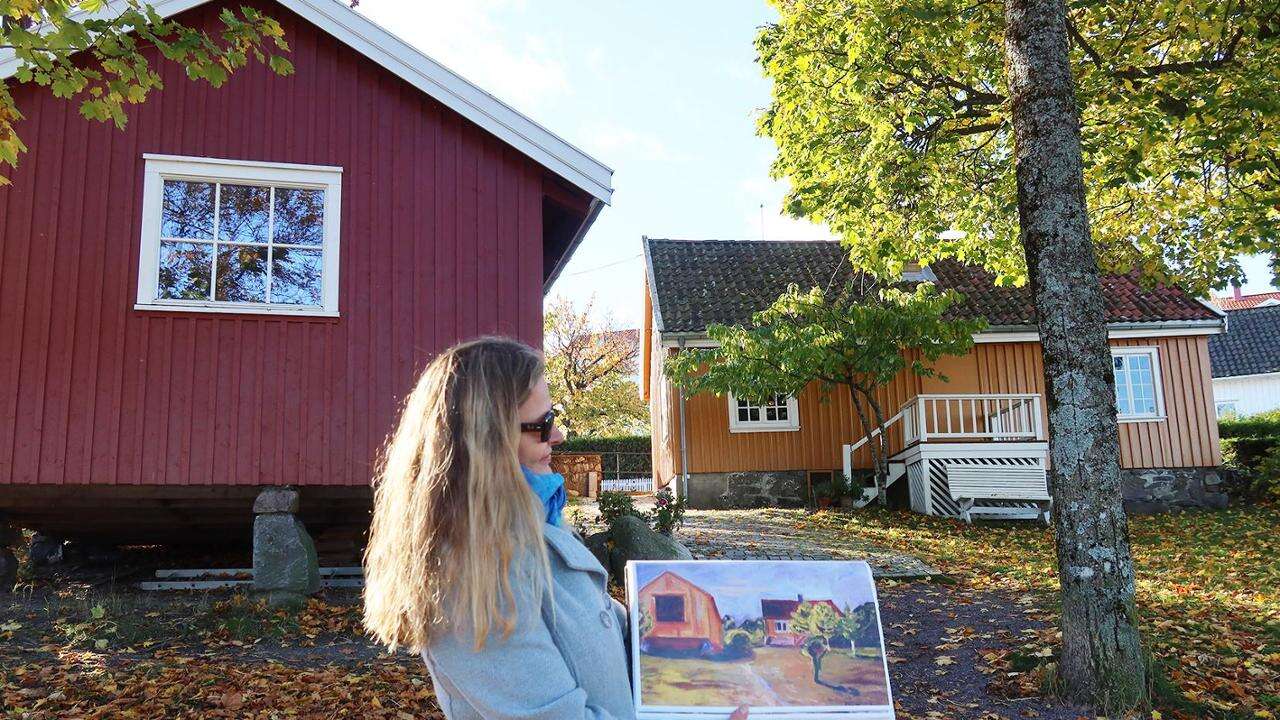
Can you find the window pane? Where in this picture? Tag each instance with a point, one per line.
(184, 270)
(242, 213)
(771, 413)
(299, 217)
(242, 273)
(744, 414)
(782, 412)
(295, 276)
(754, 414)
(1118, 362)
(187, 210)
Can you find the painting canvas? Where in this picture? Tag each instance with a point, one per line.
(791, 639)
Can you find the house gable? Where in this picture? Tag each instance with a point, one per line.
(412, 65)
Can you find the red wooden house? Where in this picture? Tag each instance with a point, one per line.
(236, 291)
(685, 617)
(777, 619)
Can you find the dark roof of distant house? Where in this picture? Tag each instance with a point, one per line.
(772, 609)
(1246, 301)
(698, 282)
(1251, 344)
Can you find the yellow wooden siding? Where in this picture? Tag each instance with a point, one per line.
(1188, 437)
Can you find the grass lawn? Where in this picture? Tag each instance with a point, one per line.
(1208, 587)
(773, 676)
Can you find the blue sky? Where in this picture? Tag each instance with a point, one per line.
(738, 587)
(666, 93)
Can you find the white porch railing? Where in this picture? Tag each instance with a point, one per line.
(1010, 416)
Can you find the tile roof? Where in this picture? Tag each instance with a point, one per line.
(1250, 345)
(699, 282)
(1245, 301)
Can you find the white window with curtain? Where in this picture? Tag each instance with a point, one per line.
(239, 236)
(1139, 395)
(778, 412)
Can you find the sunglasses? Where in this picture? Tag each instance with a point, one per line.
(543, 427)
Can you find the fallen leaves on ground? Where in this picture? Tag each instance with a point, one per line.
(1208, 591)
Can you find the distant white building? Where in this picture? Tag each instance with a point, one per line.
(1246, 361)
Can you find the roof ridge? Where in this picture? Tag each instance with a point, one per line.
(731, 241)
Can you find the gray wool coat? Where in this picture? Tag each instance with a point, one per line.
(565, 660)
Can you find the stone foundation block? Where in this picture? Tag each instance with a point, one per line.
(741, 490)
(8, 570)
(1150, 491)
(285, 567)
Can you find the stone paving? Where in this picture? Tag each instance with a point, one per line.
(772, 534)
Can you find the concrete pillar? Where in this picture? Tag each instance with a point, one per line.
(285, 567)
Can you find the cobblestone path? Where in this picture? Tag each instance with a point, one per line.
(774, 534)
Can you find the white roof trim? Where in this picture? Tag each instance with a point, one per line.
(429, 76)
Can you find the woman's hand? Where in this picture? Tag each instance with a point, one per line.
(740, 714)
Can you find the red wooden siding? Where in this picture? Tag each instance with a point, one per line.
(441, 239)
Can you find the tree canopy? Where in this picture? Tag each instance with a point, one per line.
(590, 369)
(95, 51)
(892, 120)
(859, 336)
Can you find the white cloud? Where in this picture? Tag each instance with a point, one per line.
(521, 70)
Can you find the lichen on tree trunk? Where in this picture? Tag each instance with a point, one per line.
(1102, 661)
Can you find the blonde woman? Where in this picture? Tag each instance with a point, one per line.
(467, 562)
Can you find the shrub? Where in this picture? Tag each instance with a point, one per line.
(668, 512)
(623, 456)
(737, 644)
(614, 505)
(1252, 446)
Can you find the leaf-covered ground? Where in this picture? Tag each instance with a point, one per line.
(1208, 595)
(979, 644)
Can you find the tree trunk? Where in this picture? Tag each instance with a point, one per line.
(871, 441)
(1102, 661)
(882, 461)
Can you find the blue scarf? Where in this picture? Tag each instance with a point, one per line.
(549, 487)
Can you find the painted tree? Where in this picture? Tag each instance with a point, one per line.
(857, 336)
(95, 51)
(818, 623)
(896, 120)
(590, 369)
(860, 626)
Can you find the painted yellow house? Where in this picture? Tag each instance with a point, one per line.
(973, 444)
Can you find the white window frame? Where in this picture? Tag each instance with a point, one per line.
(176, 167)
(1233, 409)
(791, 424)
(1156, 380)
(781, 626)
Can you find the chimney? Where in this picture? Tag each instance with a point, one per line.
(799, 597)
(1235, 290)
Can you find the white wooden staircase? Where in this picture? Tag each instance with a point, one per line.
(969, 455)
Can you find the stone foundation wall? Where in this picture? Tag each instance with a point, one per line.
(1148, 491)
(726, 491)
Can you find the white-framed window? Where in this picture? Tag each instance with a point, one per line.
(775, 413)
(1226, 408)
(781, 626)
(239, 236)
(1139, 395)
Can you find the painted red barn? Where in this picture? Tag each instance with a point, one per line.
(685, 617)
(237, 290)
(777, 619)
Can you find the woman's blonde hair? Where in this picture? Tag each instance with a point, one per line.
(453, 517)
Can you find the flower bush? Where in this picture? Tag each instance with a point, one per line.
(668, 512)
